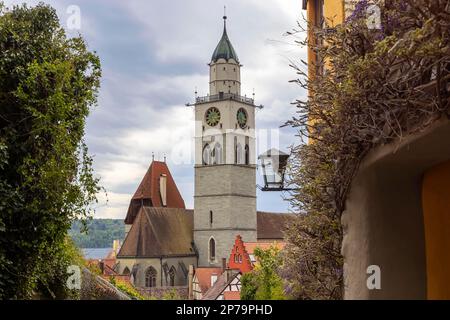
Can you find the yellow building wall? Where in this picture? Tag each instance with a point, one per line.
(334, 14)
(436, 212)
(333, 11)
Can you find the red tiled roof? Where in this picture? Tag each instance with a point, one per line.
(204, 277)
(272, 225)
(232, 295)
(250, 246)
(220, 285)
(148, 193)
(159, 232)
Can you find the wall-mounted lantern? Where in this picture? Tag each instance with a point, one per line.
(273, 163)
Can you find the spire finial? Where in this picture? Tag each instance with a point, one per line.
(224, 16)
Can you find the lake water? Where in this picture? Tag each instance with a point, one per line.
(95, 253)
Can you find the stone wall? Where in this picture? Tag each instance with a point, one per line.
(229, 193)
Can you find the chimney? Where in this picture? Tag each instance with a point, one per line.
(190, 282)
(163, 189)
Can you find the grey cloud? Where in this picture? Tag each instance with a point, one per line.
(154, 53)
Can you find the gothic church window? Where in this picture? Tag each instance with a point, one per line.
(212, 250)
(172, 276)
(150, 277)
(126, 271)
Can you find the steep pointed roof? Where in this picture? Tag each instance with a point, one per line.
(224, 48)
(159, 232)
(148, 192)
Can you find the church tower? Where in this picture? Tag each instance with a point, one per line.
(225, 162)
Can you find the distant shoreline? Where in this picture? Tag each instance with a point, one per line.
(95, 253)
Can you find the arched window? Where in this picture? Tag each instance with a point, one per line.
(247, 155)
(150, 277)
(126, 271)
(212, 250)
(217, 153)
(238, 154)
(172, 276)
(206, 154)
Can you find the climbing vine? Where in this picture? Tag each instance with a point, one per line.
(373, 86)
(48, 83)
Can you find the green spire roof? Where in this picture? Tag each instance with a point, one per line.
(224, 48)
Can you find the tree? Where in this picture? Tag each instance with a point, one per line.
(380, 85)
(263, 283)
(48, 83)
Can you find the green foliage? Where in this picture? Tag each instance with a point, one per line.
(264, 282)
(97, 233)
(127, 289)
(48, 84)
(379, 86)
(249, 286)
(171, 295)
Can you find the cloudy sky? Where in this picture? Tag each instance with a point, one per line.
(154, 55)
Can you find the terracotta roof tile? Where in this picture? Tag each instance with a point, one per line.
(148, 191)
(160, 232)
(232, 295)
(169, 231)
(250, 246)
(220, 285)
(204, 274)
(271, 225)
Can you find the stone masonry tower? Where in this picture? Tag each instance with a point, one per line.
(225, 163)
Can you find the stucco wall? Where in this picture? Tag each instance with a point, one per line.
(383, 220)
(436, 210)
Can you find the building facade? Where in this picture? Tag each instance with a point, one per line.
(397, 210)
(164, 240)
(225, 167)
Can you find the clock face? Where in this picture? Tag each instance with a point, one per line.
(242, 118)
(212, 116)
